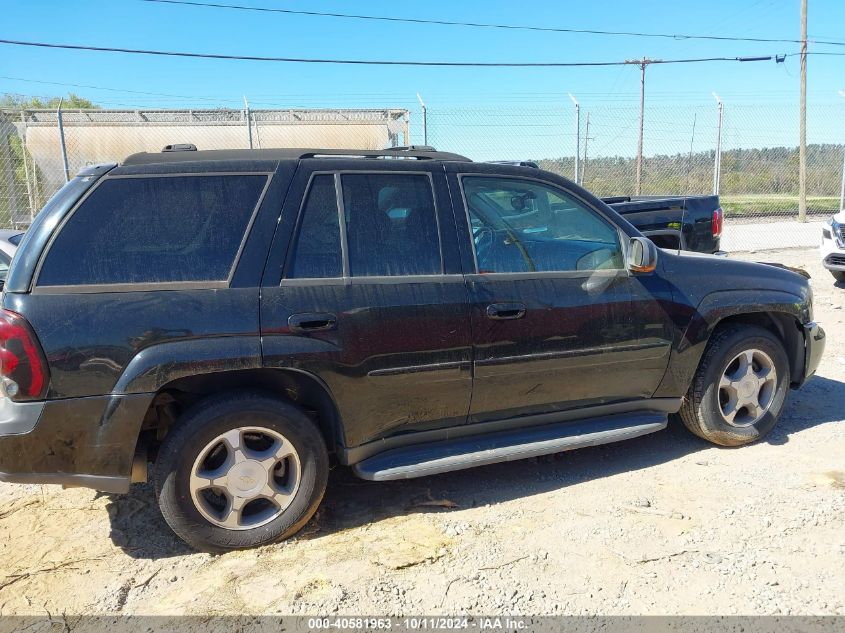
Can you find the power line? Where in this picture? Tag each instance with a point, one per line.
(121, 90)
(372, 62)
(489, 25)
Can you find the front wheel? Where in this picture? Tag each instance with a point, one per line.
(240, 470)
(739, 390)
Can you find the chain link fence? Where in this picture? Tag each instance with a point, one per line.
(756, 175)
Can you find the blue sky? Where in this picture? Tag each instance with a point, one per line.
(135, 24)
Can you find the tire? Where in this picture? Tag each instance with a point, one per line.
(257, 426)
(838, 275)
(702, 411)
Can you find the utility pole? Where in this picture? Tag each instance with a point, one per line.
(425, 119)
(717, 164)
(802, 121)
(642, 63)
(577, 135)
(586, 139)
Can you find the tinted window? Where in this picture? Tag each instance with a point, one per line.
(391, 225)
(141, 230)
(15, 239)
(524, 226)
(317, 252)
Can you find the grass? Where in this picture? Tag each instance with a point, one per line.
(776, 205)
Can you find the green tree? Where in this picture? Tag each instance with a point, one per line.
(71, 102)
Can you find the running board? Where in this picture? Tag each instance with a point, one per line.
(466, 452)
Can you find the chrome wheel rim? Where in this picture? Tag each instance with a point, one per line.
(245, 478)
(747, 388)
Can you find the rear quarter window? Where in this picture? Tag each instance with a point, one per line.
(153, 230)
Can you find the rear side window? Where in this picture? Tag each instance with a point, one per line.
(156, 229)
(391, 225)
(317, 254)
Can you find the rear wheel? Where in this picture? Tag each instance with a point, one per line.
(740, 388)
(240, 471)
(838, 275)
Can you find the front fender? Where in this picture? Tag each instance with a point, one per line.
(158, 365)
(714, 308)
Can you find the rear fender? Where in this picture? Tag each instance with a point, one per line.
(158, 365)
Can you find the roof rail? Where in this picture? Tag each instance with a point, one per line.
(192, 155)
(179, 147)
(517, 163)
(419, 152)
(411, 148)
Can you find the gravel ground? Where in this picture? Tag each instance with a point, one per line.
(664, 524)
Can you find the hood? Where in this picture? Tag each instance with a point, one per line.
(701, 274)
(797, 271)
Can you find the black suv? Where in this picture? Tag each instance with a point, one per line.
(238, 317)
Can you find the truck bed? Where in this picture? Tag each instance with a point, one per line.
(661, 218)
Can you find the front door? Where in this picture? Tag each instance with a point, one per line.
(371, 299)
(556, 316)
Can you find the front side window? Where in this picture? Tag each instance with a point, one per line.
(525, 226)
(153, 230)
(391, 225)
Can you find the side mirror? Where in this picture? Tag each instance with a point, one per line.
(642, 255)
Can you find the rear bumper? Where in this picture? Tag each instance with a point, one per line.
(88, 442)
(814, 342)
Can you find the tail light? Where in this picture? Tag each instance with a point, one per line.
(718, 221)
(23, 369)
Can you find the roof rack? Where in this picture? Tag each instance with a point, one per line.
(418, 152)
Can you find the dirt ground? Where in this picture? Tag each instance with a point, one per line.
(664, 524)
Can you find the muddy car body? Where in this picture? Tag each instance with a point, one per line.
(241, 317)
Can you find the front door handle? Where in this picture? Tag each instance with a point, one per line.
(312, 322)
(505, 311)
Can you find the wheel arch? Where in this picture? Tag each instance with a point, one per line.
(295, 386)
(779, 312)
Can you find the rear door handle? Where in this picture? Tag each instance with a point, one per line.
(505, 311)
(312, 322)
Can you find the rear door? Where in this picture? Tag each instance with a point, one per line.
(558, 321)
(364, 290)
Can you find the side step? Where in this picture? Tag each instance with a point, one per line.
(466, 452)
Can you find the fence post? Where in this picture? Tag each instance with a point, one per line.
(62, 140)
(248, 123)
(577, 136)
(425, 119)
(29, 195)
(717, 162)
(842, 190)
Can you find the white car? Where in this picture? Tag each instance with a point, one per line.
(9, 240)
(833, 246)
